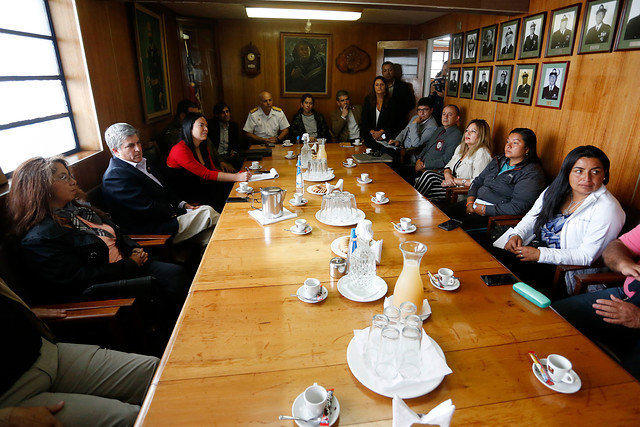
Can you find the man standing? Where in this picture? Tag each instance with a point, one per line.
(561, 38)
(551, 91)
(345, 120)
(443, 142)
(507, 47)
(402, 98)
(502, 87)
(599, 33)
(266, 123)
(524, 90)
(416, 134)
(138, 198)
(172, 134)
(483, 86)
(531, 42)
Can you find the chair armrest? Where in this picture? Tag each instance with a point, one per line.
(88, 310)
(453, 193)
(610, 279)
(130, 288)
(500, 220)
(146, 240)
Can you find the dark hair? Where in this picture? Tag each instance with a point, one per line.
(184, 105)
(530, 141)
(217, 109)
(341, 93)
(557, 191)
(312, 49)
(305, 96)
(425, 102)
(454, 107)
(387, 63)
(372, 95)
(187, 126)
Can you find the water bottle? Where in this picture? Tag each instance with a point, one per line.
(305, 152)
(299, 178)
(362, 268)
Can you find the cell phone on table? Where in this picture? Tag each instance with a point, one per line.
(450, 225)
(498, 279)
(238, 200)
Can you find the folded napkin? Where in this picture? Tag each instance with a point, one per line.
(262, 176)
(364, 230)
(403, 416)
(432, 364)
(286, 214)
(338, 186)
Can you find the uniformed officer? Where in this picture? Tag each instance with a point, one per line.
(600, 32)
(524, 90)
(561, 38)
(552, 91)
(266, 123)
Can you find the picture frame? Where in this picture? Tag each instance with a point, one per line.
(466, 88)
(305, 62)
(488, 44)
(524, 78)
(508, 40)
(598, 26)
(151, 52)
(551, 90)
(455, 54)
(560, 41)
(628, 36)
(470, 47)
(483, 84)
(501, 83)
(453, 81)
(532, 35)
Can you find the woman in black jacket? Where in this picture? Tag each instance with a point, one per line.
(379, 123)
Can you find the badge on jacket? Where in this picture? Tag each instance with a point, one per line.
(439, 145)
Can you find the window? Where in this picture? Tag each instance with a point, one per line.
(35, 112)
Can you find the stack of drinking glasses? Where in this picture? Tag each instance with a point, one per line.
(317, 170)
(394, 343)
(338, 207)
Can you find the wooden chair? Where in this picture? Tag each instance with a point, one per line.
(609, 279)
(453, 193)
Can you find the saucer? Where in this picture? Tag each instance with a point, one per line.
(287, 145)
(369, 181)
(255, 168)
(323, 296)
(456, 284)
(383, 202)
(559, 387)
(347, 165)
(249, 190)
(345, 291)
(290, 158)
(356, 144)
(307, 230)
(298, 409)
(292, 202)
(409, 230)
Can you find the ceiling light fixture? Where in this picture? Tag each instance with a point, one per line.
(306, 14)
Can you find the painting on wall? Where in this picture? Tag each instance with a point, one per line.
(501, 84)
(508, 39)
(466, 90)
(523, 83)
(471, 46)
(562, 31)
(553, 79)
(629, 29)
(532, 35)
(152, 64)
(488, 46)
(455, 56)
(452, 87)
(483, 83)
(600, 19)
(304, 64)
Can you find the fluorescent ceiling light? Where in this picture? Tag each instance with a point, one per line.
(318, 15)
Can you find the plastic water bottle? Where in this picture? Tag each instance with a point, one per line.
(299, 178)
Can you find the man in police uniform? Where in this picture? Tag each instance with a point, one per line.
(561, 38)
(483, 86)
(552, 91)
(531, 42)
(501, 87)
(266, 123)
(524, 90)
(599, 33)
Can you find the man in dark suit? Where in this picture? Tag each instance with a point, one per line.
(633, 29)
(466, 86)
(487, 44)
(138, 198)
(453, 82)
(225, 136)
(552, 91)
(600, 32)
(524, 90)
(561, 38)
(483, 85)
(531, 42)
(501, 87)
(403, 99)
(507, 47)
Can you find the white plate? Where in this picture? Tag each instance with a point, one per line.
(347, 165)
(335, 249)
(383, 202)
(310, 190)
(409, 230)
(298, 409)
(323, 296)
(559, 387)
(255, 168)
(456, 285)
(359, 217)
(292, 202)
(359, 369)
(364, 182)
(343, 288)
(328, 177)
(307, 230)
(249, 190)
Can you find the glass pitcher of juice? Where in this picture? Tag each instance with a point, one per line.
(322, 152)
(409, 284)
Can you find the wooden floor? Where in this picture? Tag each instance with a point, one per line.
(244, 349)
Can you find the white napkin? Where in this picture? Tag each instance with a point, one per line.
(376, 247)
(424, 314)
(315, 147)
(432, 366)
(338, 186)
(403, 416)
(364, 230)
(286, 214)
(262, 176)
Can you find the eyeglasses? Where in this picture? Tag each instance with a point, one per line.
(65, 177)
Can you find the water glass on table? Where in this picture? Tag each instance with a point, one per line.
(386, 363)
(409, 357)
(379, 322)
(407, 308)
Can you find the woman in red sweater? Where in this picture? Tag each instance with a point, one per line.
(195, 167)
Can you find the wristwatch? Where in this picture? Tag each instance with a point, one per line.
(464, 182)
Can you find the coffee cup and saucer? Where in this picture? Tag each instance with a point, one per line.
(301, 227)
(364, 179)
(445, 280)
(405, 226)
(244, 188)
(311, 403)
(287, 143)
(356, 143)
(349, 163)
(560, 372)
(380, 198)
(255, 165)
(298, 200)
(312, 291)
(290, 155)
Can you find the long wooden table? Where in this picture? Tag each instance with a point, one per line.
(243, 349)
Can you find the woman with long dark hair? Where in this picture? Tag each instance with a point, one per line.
(575, 218)
(378, 119)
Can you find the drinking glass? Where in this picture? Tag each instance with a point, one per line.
(413, 320)
(393, 314)
(379, 322)
(407, 308)
(409, 360)
(386, 364)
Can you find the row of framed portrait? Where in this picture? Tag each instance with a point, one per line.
(598, 31)
(477, 83)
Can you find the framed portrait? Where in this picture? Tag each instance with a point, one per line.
(532, 35)
(470, 46)
(466, 90)
(598, 26)
(629, 28)
(483, 83)
(562, 29)
(454, 78)
(524, 78)
(553, 78)
(152, 64)
(501, 83)
(488, 44)
(455, 56)
(304, 59)
(508, 40)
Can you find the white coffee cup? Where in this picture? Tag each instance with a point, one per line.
(446, 276)
(364, 177)
(287, 142)
(297, 197)
(405, 223)
(368, 150)
(311, 288)
(380, 196)
(244, 186)
(350, 161)
(255, 164)
(559, 369)
(290, 153)
(301, 225)
(315, 398)
(357, 141)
